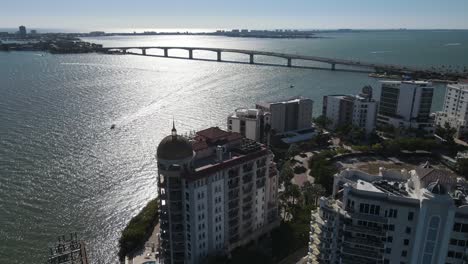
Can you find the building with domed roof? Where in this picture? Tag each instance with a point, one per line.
(418, 216)
(217, 190)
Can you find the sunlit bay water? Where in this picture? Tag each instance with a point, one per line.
(62, 169)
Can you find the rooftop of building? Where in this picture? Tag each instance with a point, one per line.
(217, 149)
(250, 113)
(460, 85)
(409, 184)
(407, 82)
(287, 101)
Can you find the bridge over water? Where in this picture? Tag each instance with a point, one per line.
(366, 66)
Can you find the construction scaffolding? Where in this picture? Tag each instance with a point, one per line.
(68, 251)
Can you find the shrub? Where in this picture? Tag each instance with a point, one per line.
(139, 229)
(299, 169)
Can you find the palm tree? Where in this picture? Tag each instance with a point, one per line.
(312, 193)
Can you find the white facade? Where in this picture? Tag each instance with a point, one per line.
(364, 114)
(250, 123)
(417, 217)
(455, 111)
(358, 110)
(221, 197)
(289, 115)
(406, 104)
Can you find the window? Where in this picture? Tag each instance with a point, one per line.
(461, 243)
(393, 213)
(390, 239)
(404, 253)
(451, 254)
(431, 238)
(391, 227)
(406, 242)
(410, 216)
(453, 242)
(408, 230)
(388, 250)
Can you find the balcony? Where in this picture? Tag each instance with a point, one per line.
(247, 178)
(233, 213)
(248, 188)
(233, 222)
(369, 217)
(246, 217)
(233, 194)
(233, 204)
(365, 230)
(367, 254)
(260, 183)
(366, 242)
(233, 183)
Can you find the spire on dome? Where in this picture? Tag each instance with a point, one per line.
(174, 130)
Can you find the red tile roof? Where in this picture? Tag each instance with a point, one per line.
(213, 136)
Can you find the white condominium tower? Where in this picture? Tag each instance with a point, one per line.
(289, 115)
(357, 110)
(217, 191)
(455, 110)
(406, 104)
(415, 217)
(250, 123)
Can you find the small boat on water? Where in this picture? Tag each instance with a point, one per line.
(291, 86)
(113, 126)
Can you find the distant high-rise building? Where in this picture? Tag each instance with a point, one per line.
(406, 104)
(417, 217)
(33, 31)
(22, 31)
(251, 123)
(455, 110)
(357, 110)
(217, 190)
(289, 115)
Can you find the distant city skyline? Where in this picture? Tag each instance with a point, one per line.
(121, 15)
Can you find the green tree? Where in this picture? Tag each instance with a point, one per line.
(286, 174)
(322, 121)
(462, 165)
(312, 193)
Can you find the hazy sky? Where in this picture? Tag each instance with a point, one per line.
(117, 14)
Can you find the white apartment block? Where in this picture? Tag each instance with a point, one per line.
(250, 123)
(407, 217)
(289, 115)
(217, 191)
(358, 110)
(406, 104)
(455, 110)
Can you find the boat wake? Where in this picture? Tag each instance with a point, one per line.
(380, 52)
(452, 44)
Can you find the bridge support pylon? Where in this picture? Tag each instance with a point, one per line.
(166, 53)
(190, 54)
(124, 51)
(143, 51)
(219, 55)
(289, 62)
(251, 59)
(333, 66)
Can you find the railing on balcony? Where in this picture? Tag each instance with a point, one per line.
(233, 204)
(247, 167)
(369, 254)
(247, 178)
(365, 230)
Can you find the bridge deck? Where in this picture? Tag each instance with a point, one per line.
(280, 55)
